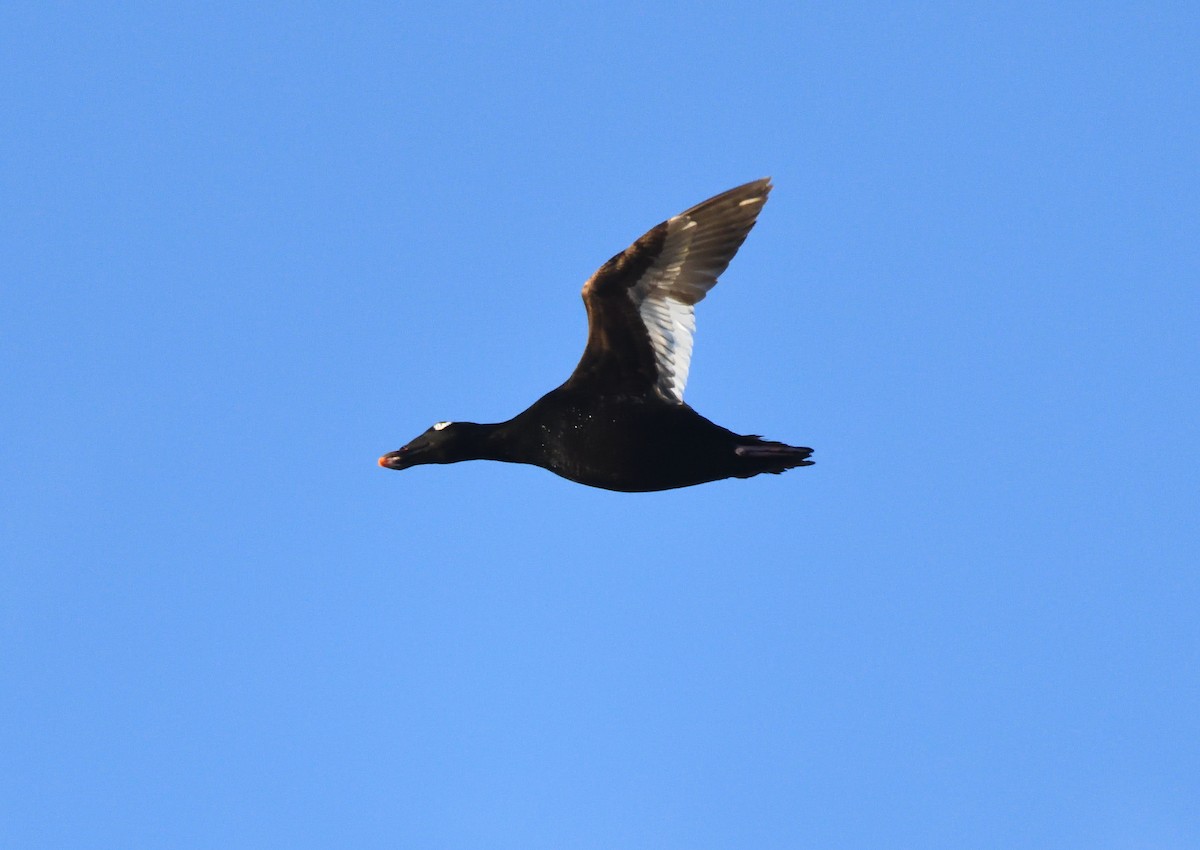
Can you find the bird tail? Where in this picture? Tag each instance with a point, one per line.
(773, 457)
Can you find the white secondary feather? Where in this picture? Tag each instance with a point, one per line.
(687, 268)
(666, 309)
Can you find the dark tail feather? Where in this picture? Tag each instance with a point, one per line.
(774, 457)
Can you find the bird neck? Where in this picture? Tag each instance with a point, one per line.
(483, 441)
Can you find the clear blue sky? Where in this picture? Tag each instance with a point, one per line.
(247, 248)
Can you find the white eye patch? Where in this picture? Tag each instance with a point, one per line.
(437, 426)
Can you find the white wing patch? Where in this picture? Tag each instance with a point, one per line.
(669, 320)
(665, 296)
(671, 325)
(437, 426)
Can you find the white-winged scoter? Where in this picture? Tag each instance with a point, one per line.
(620, 422)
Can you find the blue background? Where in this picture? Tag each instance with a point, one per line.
(248, 248)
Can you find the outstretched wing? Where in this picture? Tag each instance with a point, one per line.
(640, 303)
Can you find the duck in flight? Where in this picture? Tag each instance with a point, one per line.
(620, 422)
